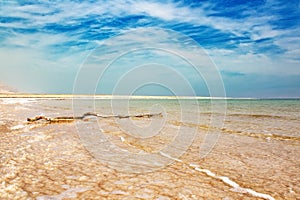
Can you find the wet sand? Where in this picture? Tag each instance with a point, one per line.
(49, 161)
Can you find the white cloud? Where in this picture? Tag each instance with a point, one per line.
(34, 46)
(251, 63)
(256, 24)
(291, 43)
(164, 11)
(266, 31)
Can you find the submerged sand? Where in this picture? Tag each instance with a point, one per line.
(49, 161)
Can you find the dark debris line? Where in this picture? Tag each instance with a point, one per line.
(85, 115)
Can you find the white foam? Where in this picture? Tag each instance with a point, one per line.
(168, 156)
(208, 172)
(194, 165)
(229, 182)
(17, 127)
(122, 139)
(17, 100)
(235, 186)
(120, 192)
(257, 194)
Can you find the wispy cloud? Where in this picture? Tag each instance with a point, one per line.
(253, 37)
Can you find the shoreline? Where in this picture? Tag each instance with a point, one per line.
(109, 96)
(57, 165)
(105, 96)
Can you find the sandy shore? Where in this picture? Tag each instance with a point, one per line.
(48, 161)
(71, 96)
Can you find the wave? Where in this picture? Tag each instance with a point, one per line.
(251, 115)
(262, 116)
(266, 136)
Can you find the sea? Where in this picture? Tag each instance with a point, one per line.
(150, 148)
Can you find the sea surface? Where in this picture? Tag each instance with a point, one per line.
(150, 149)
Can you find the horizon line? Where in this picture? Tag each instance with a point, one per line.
(111, 96)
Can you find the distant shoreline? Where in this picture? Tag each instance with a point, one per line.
(88, 96)
(100, 96)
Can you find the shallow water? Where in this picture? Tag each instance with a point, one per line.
(255, 150)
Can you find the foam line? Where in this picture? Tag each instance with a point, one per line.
(168, 156)
(235, 186)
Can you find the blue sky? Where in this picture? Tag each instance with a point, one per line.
(254, 44)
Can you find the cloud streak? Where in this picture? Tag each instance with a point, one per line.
(255, 37)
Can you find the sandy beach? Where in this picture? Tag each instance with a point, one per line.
(150, 100)
(49, 161)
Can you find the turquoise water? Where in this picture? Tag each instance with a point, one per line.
(264, 116)
(280, 117)
(182, 120)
